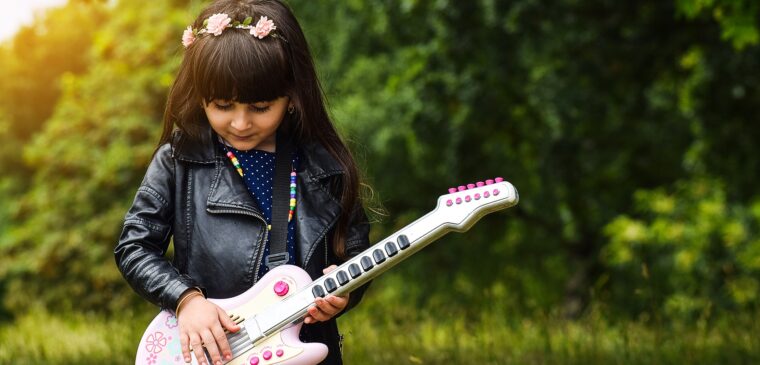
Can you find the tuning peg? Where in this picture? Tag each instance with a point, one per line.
(452, 190)
(480, 183)
(462, 188)
(470, 186)
(499, 179)
(489, 182)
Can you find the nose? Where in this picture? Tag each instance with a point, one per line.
(240, 119)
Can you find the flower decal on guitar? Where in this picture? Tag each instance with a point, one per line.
(171, 321)
(155, 342)
(151, 359)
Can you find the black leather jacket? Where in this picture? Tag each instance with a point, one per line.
(192, 194)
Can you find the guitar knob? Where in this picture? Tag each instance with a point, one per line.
(279, 353)
(254, 360)
(281, 288)
(267, 355)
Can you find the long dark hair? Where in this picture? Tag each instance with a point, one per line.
(238, 66)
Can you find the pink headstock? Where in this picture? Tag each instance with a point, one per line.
(465, 204)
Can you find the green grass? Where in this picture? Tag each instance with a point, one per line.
(495, 339)
(380, 331)
(406, 337)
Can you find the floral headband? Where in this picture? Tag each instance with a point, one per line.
(217, 23)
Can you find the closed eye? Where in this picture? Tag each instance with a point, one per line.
(260, 109)
(221, 106)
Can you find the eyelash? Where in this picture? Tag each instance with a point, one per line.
(253, 107)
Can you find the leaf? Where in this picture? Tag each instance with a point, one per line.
(248, 21)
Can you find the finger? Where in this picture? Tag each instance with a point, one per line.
(221, 340)
(337, 302)
(318, 314)
(327, 307)
(227, 322)
(213, 350)
(184, 341)
(197, 345)
(308, 319)
(329, 268)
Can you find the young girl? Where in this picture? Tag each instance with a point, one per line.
(246, 93)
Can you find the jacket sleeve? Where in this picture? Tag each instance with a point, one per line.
(357, 241)
(146, 235)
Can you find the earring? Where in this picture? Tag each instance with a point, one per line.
(291, 109)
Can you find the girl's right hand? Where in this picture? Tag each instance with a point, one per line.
(200, 325)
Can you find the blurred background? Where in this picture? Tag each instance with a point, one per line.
(630, 129)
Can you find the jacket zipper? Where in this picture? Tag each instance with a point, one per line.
(260, 252)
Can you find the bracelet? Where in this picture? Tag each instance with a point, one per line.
(182, 300)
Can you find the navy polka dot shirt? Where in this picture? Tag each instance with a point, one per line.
(258, 174)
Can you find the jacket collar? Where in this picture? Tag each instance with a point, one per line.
(316, 161)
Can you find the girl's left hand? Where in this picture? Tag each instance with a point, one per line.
(326, 307)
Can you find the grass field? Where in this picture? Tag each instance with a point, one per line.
(414, 337)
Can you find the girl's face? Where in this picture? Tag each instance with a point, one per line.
(247, 126)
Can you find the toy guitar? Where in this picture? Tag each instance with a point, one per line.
(271, 313)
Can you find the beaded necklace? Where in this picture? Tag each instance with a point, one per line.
(239, 168)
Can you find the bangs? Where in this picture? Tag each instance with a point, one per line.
(237, 66)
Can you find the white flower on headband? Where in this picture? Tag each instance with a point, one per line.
(217, 23)
(263, 27)
(188, 37)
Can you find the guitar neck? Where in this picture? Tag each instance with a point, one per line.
(393, 249)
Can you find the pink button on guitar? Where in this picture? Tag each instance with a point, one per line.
(267, 355)
(281, 288)
(280, 353)
(254, 361)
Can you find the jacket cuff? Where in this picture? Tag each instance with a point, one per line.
(175, 290)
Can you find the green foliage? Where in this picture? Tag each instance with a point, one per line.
(737, 18)
(689, 254)
(100, 139)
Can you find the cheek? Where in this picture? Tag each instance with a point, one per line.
(272, 120)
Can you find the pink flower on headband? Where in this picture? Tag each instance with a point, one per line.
(217, 23)
(263, 27)
(188, 37)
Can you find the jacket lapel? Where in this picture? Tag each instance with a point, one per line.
(227, 190)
